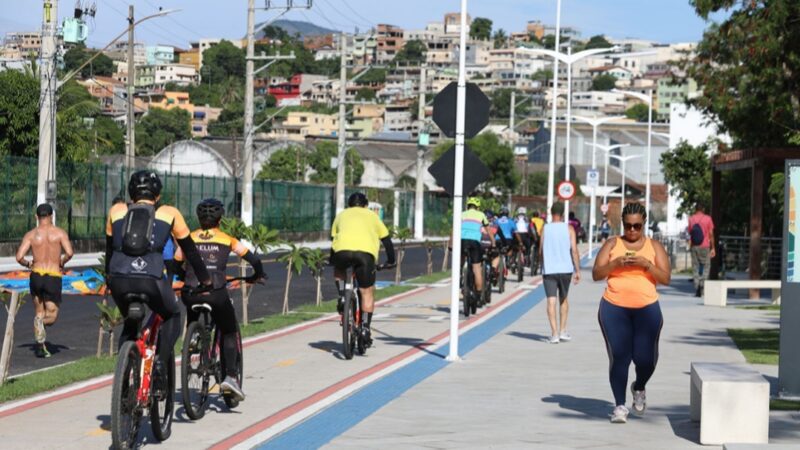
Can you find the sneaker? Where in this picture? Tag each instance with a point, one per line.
(554, 339)
(620, 414)
(639, 401)
(340, 305)
(367, 336)
(231, 387)
(39, 332)
(41, 351)
(565, 336)
(159, 380)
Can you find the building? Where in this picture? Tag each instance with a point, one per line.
(315, 43)
(610, 103)
(620, 73)
(535, 28)
(190, 58)
(671, 91)
(119, 52)
(20, 65)
(398, 117)
(452, 23)
(441, 52)
(174, 73)
(363, 49)
(324, 92)
(24, 44)
(289, 92)
(160, 54)
(170, 100)
(299, 124)
(390, 41)
(201, 117)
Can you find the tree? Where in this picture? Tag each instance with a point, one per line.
(320, 161)
(365, 94)
(412, 52)
(687, 169)
(542, 75)
(109, 136)
(406, 182)
(76, 56)
(288, 164)
(639, 112)
(501, 104)
(224, 60)
(160, 128)
(604, 82)
(19, 114)
(597, 41)
(498, 157)
(500, 37)
(748, 70)
(481, 29)
(316, 260)
(537, 184)
(295, 260)
(373, 76)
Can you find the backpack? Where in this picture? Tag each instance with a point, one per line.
(696, 234)
(138, 229)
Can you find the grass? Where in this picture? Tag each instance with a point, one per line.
(82, 369)
(777, 404)
(90, 366)
(759, 346)
(428, 279)
(762, 307)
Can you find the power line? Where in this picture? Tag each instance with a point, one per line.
(341, 13)
(366, 21)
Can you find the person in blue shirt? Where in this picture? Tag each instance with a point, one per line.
(473, 222)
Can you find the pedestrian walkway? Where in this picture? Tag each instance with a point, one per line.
(510, 390)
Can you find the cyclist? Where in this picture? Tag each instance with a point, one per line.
(357, 234)
(215, 246)
(488, 243)
(523, 232)
(137, 265)
(537, 225)
(473, 222)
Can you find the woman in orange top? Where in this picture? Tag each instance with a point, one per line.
(630, 316)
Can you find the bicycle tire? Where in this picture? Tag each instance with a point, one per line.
(533, 260)
(487, 285)
(126, 413)
(161, 408)
(231, 402)
(520, 266)
(465, 291)
(195, 361)
(501, 275)
(348, 326)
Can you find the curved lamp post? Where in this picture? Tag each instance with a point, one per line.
(623, 160)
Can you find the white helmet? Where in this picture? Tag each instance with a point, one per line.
(522, 210)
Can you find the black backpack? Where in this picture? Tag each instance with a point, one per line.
(137, 233)
(696, 234)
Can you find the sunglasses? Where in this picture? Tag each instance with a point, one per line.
(632, 226)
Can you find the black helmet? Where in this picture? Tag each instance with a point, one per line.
(209, 212)
(144, 185)
(357, 199)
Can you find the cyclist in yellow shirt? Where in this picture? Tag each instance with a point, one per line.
(357, 234)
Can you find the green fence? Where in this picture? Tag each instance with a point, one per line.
(85, 192)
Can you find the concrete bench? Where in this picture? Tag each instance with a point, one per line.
(731, 401)
(759, 447)
(715, 292)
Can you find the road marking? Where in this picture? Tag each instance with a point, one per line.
(97, 432)
(286, 363)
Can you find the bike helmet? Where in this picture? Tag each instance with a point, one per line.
(144, 185)
(503, 211)
(489, 213)
(209, 213)
(522, 210)
(357, 199)
(474, 201)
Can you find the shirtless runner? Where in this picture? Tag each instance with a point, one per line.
(46, 242)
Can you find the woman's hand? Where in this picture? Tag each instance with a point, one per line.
(618, 262)
(638, 261)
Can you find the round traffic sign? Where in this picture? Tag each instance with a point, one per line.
(604, 208)
(566, 190)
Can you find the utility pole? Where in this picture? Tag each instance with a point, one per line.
(419, 222)
(513, 107)
(130, 152)
(342, 125)
(47, 99)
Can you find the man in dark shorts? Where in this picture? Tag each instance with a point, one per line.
(51, 250)
(559, 254)
(357, 234)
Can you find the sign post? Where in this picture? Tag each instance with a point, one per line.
(566, 190)
(789, 357)
(593, 181)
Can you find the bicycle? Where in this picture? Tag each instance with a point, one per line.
(486, 293)
(518, 262)
(533, 257)
(353, 332)
(468, 287)
(201, 358)
(136, 387)
(502, 271)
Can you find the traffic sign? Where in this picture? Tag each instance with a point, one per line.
(443, 170)
(593, 178)
(477, 110)
(604, 208)
(566, 190)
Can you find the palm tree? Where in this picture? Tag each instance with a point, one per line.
(316, 261)
(402, 234)
(295, 260)
(500, 38)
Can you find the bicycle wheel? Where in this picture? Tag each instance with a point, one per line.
(230, 401)
(126, 413)
(348, 325)
(520, 262)
(487, 286)
(163, 400)
(501, 275)
(534, 260)
(195, 370)
(466, 294)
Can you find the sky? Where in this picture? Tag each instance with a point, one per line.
(664, 21)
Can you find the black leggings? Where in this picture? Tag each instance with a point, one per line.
(225, 317)
(161, 299)
(631, 334)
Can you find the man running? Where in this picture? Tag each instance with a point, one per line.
(47, 242)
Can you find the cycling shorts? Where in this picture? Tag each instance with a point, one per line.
(221, 309)
(160, 296)
(46, 287)
(363, 265)
(473, 250)
(526, 241)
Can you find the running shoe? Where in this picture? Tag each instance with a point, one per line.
(231, 387)
(620, 414)
(639, 401)
(38, 330)
(554, 339)
(565, 336)
(367, 337)
(41, 351)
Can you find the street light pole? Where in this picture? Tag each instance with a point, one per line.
(623, 160)
(551, 170)
(607, 150)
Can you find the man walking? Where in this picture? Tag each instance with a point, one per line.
(559, 253)
(702, 242)
(46, 241)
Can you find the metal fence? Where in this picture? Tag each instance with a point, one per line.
(735, 254)
(85, 192)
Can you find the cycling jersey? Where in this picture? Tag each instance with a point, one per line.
(486, 240)
(472, 221)
(214, 246)
(359, 230)
(522, 225)
(538, 224)
(168, 220)
(506, 226)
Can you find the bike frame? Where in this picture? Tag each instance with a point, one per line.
(147, 343)
(353, 284)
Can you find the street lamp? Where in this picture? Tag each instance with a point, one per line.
(567, 59)
(595, 122)
(623, 160)
(607, 149)
(648, 99)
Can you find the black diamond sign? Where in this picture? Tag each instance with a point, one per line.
(477, 110)
(443, 171)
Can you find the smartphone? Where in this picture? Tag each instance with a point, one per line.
(630, 254)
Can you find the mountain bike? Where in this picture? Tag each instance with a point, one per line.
(353, 331)
(137, 387)
(486, 265)
(468, 294)
(502, 270)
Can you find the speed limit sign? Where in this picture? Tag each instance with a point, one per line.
(566, 190)
(604, 208)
